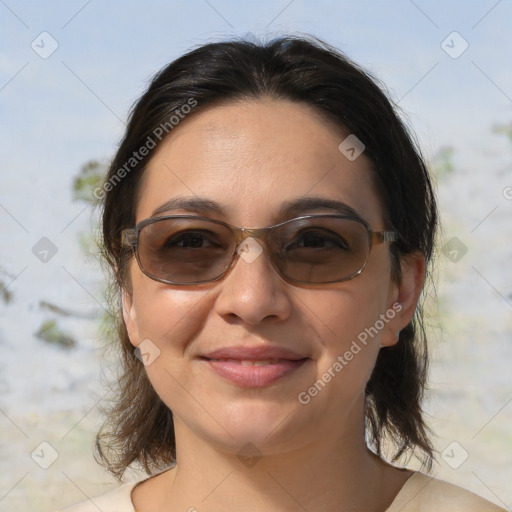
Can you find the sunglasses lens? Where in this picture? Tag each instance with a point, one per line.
(185, 250)
(322, 249)
(310, 250)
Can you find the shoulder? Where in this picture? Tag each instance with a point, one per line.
(428, 494)
(118, 500)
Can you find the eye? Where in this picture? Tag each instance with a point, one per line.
(189, 240)
(318, 240)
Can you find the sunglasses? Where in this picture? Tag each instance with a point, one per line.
(312, 249)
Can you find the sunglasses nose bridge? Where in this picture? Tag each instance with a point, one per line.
(242, 233)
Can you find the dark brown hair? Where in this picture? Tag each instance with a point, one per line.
(139, 428)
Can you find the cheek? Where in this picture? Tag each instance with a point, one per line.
(342, 315)
(169, 317)
(347, 329)
(172, 319)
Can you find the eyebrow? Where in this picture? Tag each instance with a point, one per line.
(288, 209)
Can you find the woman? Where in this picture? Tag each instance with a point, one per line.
(270, 224)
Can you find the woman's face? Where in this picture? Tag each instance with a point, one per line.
(250, 158)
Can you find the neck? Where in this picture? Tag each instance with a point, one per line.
(333, 470)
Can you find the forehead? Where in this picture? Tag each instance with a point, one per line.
(253, 156)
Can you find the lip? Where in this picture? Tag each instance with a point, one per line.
(255, 353)
(228, 363)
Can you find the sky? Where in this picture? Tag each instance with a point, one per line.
(60, 111)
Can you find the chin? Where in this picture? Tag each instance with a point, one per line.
(268, 427)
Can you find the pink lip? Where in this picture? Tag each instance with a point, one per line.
(254, 376)
(283, 361)
(255, 353)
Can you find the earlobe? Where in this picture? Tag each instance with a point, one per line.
(130, 317)
(405, 296)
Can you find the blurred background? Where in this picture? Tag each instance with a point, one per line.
(69, 72)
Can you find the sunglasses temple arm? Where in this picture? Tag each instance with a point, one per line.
(384, 237)
(129, 238)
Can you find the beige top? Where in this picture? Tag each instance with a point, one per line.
(420, 493)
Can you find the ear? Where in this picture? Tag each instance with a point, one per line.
(404, 297)
(130, 317)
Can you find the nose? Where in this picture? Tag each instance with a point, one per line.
(253, 291)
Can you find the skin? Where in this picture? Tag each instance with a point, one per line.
(250, 157)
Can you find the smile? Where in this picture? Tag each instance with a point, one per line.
(254, 373)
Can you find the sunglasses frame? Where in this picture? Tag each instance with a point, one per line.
(130, 238)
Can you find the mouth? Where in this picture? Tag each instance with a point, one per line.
(254, 372)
